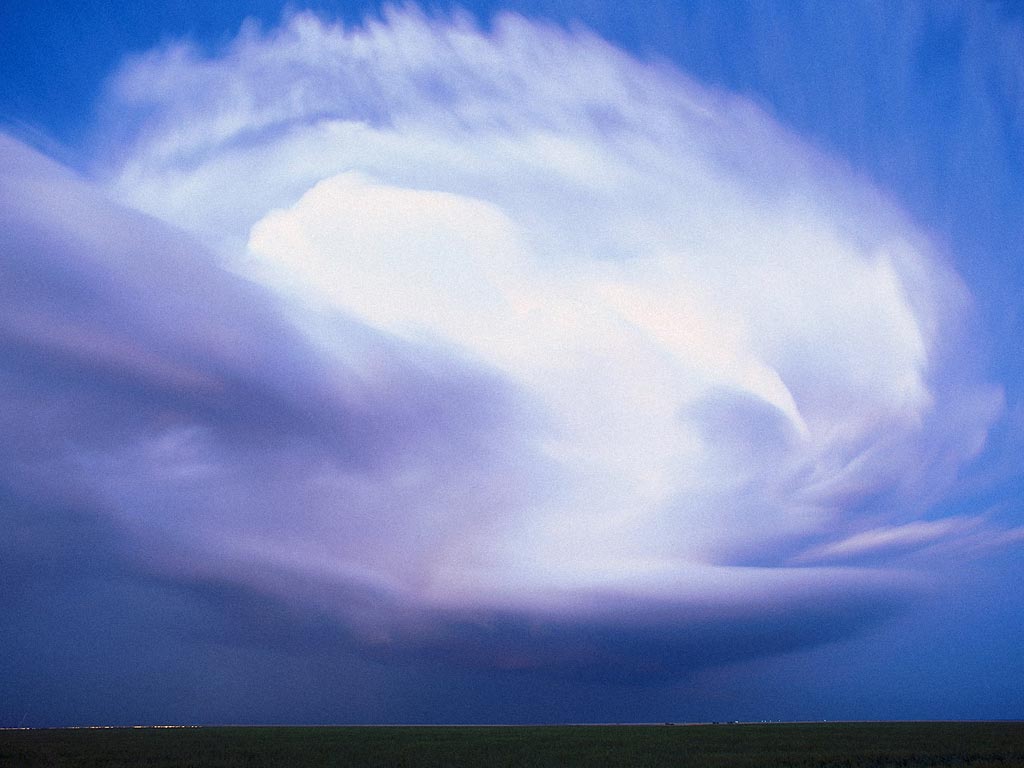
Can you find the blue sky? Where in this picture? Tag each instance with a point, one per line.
(527, 362)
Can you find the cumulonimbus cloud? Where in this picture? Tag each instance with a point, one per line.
(589, 356)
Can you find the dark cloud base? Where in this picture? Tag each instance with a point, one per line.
(91, 636)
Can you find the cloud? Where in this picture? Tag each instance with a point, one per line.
(884, 540)
(503, 349)
(176, 398)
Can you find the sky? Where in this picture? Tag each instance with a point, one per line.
(511, 362)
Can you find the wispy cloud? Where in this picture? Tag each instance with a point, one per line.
(889, 539)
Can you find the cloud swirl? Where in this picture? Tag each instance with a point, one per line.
(502, 348)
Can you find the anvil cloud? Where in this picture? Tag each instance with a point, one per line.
(501, 349)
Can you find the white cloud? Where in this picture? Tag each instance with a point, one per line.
(890, 538)
(733, 343)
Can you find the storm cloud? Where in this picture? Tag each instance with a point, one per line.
(502, 350)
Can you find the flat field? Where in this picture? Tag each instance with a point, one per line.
(778, 745)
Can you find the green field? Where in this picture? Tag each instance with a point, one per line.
(850, 745)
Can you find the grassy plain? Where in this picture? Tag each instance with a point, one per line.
(777, 745)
